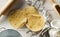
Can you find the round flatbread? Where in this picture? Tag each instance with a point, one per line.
(35, 22)
(17, 19)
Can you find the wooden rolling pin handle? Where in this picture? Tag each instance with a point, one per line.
(4, 8)
(7, 7)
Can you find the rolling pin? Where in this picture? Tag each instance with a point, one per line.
(56, 7)
(7, 6)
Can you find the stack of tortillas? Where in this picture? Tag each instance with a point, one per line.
(28, 16)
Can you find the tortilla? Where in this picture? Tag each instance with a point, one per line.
(17, 19)
(35, 22)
